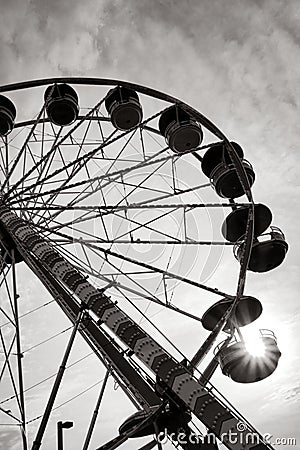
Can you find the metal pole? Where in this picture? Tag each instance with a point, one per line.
(39, 436)
(19, 352)
(208, 343)
(156, 429)
(212, 366)
(59, 436)
(95, 413)
(209, 371)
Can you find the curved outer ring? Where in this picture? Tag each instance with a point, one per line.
(198, 116)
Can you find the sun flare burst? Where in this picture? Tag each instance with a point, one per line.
(254, 343)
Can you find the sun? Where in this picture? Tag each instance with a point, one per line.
(254, 343)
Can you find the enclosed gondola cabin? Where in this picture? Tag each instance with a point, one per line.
(246, 311)
(124, 108)
(181, 131)
(219, 168)
(243, 367)
(7, 115)
(235, 224)
(61, 104)
(265, 255)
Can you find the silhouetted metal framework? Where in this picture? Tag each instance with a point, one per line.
(27, 207)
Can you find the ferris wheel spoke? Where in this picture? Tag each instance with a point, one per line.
(108, 278)
(117, 175)
(22, 150)
(86, 237)
(75, 170)
(4, 156)
(145, 204)
(40, 170)
(135, 225)
(86, 215)
(108, 208)
(24, 206)
(144, 226)
(110, 281)
(138, 185)
(45, 171)
(53, 148)
(90, 182)
(107, 176)
(84, 157)
(155, 269)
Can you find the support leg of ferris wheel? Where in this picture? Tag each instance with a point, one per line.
(209, 342)
(95, 413)
(40, 433)
(19, 351)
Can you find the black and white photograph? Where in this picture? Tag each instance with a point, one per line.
(149, 210)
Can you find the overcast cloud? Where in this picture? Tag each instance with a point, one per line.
(238, 63)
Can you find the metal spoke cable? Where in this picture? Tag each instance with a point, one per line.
(68, 401)
(119, 173)
(92, 180)
(17, 159)
(139, 226)
(78, 261)
(135, 187)
(48, 378)
(149, 296)
(92, 152)
(29, 312)
(168, 265)
(48, 154)
(47, 340)
(147, 266)
(75, 169)
(145, 225)
(102, 210)
(55, 207)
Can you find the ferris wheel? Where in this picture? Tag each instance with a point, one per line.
(114, 194)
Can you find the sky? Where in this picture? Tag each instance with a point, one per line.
(237, 63)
